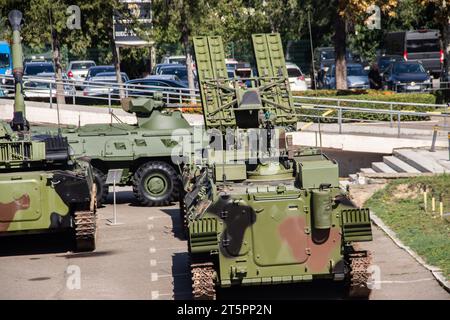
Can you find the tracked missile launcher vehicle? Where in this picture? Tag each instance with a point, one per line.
(42, 188)
(258, 210)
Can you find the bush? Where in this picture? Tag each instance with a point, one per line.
(388, 96)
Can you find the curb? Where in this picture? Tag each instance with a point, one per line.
(435, 271)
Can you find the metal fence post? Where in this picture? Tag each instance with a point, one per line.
(51, 96)
(391, 115)
(398, 124)
(109, 99)
(433, 141)
(74, 93)
(340, 120)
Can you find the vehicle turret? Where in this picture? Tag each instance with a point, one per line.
(153, 114)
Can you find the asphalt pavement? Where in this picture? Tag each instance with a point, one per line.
(145, 257)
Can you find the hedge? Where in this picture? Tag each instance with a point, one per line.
(373, 95)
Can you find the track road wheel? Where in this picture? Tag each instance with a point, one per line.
(359, 263)
(156, 184)
(86, 227)
(183, 215)
(203, 276)
(102, 187)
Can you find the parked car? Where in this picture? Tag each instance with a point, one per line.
(384, 61)
(93, 71)
(78, 70)
(36, 58)
(230, 73)
(35, 68)
(103, 83)
(407, 76)
(231, 63)
(168, 84)
(174, 60)
(297, 80)
(158, 67)
(179, 70)
(324, 59)
(357, 77)
(40, 88)
(419, 45)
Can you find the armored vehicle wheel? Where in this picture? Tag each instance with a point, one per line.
(156, 184)
(102, 187)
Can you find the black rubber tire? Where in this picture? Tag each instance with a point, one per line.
(171, 178)
(102, 187)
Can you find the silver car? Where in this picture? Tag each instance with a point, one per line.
(103, 84)
(77, 70)
(357, 77)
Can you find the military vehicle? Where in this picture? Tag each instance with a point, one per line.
(143, 151)
(42, 188)
(258, 210)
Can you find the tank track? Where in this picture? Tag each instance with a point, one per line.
(359, 262)
(86, 226)
(183, 217)
(203, 275)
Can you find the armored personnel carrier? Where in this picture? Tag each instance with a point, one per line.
(42, 188)
(143, 151)
(258, 210)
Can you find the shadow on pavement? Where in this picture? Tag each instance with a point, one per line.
(319, 289)
(181, 274)
(29, 244)
(122, 197)
(177, 228)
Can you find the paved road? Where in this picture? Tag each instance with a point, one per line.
(146, 258)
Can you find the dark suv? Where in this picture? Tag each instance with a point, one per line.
(34, 68)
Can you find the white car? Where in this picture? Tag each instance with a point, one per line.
(231, 63)
(174, 59)
(77, 70)
(297, 80)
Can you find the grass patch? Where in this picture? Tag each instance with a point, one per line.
(401, 206)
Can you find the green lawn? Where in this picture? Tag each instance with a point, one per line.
(401, 206)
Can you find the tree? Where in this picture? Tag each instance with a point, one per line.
(440, 13)
(46, 21)
(351, 12)
(178, 20)
(98, 27)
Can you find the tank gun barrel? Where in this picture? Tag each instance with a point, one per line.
(19, 122)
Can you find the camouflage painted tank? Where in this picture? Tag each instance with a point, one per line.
(42, 188)
(257, 209)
